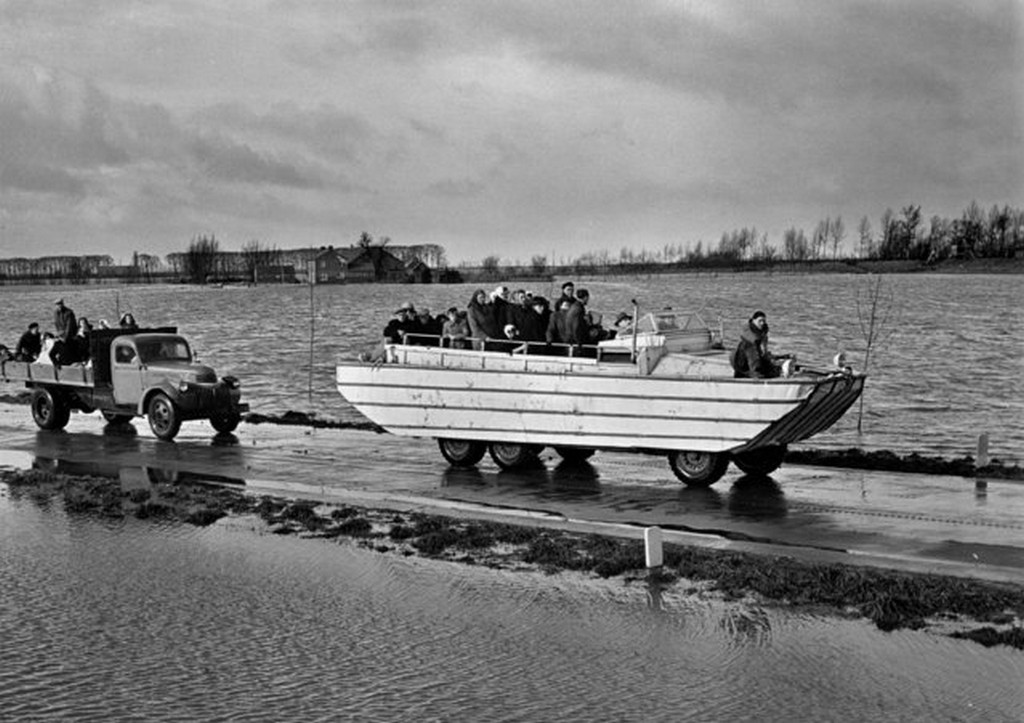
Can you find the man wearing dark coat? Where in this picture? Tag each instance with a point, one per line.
(64, 321)
(568, 294)
(66, 327)
(29, 345)
(577, 328)
(752, 358)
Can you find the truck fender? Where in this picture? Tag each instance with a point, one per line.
(169, 389)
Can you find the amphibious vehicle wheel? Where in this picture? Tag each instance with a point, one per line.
(462, 452)
(163, 417)
(698, 469)
(115, 418)
(760, 462)
(226, 423)
(575, 454)
(49, 409)
(511, 456)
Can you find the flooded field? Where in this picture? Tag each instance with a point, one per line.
(953, 370)
(136, 619)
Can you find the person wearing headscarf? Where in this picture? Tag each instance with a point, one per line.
(483, 321)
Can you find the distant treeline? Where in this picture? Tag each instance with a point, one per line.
(903, 236)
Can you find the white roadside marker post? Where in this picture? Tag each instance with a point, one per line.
(652, 549)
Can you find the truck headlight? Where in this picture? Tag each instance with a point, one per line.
(232, 382)
(183, 386)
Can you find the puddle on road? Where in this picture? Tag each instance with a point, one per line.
(130, 476)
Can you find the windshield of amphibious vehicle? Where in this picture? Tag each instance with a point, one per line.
(166, 349)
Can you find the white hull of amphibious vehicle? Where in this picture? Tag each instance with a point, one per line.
(668, 393)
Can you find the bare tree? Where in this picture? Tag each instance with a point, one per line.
(836, 234)
(794, 245)
(201, 258)
(866, 244)
(876, 311)
(490, 265)
(539, 264)
(256, 256)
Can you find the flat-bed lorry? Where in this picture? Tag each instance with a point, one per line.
(145, 372)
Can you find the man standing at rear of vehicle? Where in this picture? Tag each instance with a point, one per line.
(64, 321)
(66, 327)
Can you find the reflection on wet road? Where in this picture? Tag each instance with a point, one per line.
(924, 522)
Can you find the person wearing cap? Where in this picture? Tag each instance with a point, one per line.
(752, 358)
(66, 326)
(456, 330)
(29, 345)
(64, 321)
(402, 323)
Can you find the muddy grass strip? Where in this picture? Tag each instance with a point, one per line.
(987, 612)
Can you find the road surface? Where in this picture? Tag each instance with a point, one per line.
(949, 525)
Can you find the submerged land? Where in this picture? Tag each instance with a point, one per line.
(989, 613)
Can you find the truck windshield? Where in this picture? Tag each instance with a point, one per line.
(164, 350)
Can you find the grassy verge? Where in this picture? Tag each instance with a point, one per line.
(989, 613)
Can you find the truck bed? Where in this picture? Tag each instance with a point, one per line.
(75, 375)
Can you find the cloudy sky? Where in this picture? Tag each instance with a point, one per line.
(496, 126)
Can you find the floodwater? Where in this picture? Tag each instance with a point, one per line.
(140, 620)
(952, 369)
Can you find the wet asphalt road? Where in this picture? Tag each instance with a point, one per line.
(951, 525)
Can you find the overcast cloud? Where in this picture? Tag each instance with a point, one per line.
(508, 128)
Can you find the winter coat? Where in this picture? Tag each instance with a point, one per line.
(577, 326)
(65, 323)
(457, 331)
(752, 358)
(482, 321)
(29, 347)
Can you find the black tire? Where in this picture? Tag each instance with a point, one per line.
(50, 409)
(115, 418)
(760, 462)
(575, 455)
(226, 423)
(163, 416)
(513, 456)
(462, 452)
(698, 469)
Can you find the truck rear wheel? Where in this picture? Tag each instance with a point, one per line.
(50, 409)
(163, 417)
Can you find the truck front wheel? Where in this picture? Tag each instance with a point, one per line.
(49, 409)
(163, 417)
